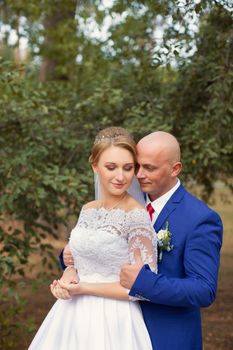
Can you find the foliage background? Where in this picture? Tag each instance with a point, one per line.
(143, 65)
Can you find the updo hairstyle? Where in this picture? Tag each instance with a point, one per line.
(112, 136)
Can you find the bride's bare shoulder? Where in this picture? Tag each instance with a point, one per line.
(92, 204)
(133, 204)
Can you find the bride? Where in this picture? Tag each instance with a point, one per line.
(96, 313)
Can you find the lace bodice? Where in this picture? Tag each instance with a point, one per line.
(103, 240)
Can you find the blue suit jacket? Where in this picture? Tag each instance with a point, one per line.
(187, 275)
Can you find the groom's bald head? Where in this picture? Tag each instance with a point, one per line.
(159, 163)
(161, 141)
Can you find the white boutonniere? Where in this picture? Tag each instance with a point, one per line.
(164, 241)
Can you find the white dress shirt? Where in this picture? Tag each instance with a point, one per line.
(160, 202)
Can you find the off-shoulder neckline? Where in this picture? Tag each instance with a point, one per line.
(114, 209)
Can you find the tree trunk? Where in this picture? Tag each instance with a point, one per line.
(58, 50)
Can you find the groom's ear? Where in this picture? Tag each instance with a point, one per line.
(177, 167)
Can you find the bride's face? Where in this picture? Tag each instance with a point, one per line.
(115, 169)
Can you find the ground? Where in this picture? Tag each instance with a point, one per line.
(217, 319)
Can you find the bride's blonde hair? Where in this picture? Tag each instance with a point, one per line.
(112, 136)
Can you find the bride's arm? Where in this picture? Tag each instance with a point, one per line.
(113, 290)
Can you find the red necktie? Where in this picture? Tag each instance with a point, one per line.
(150, 210)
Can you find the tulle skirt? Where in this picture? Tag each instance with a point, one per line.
(93, 323)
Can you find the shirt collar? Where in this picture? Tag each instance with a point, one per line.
(160, 202)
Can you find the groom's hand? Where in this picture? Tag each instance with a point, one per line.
(67, 256)
(129, 272)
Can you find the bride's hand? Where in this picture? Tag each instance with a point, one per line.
(72, 288)
(69, 277)
(58, 291)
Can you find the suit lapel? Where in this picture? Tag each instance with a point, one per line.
(169, 207)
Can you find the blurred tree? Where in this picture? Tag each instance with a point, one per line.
(44, 179)
(201, 103)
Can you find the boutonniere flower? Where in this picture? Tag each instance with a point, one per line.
(164, 241)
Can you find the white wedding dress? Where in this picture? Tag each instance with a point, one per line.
(100, 243)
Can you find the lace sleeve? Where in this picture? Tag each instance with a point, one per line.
(142, 235)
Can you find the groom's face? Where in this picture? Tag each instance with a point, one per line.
(155, 171)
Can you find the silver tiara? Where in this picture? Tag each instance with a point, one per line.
(99, 139)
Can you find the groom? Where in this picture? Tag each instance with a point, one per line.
(187, 274)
